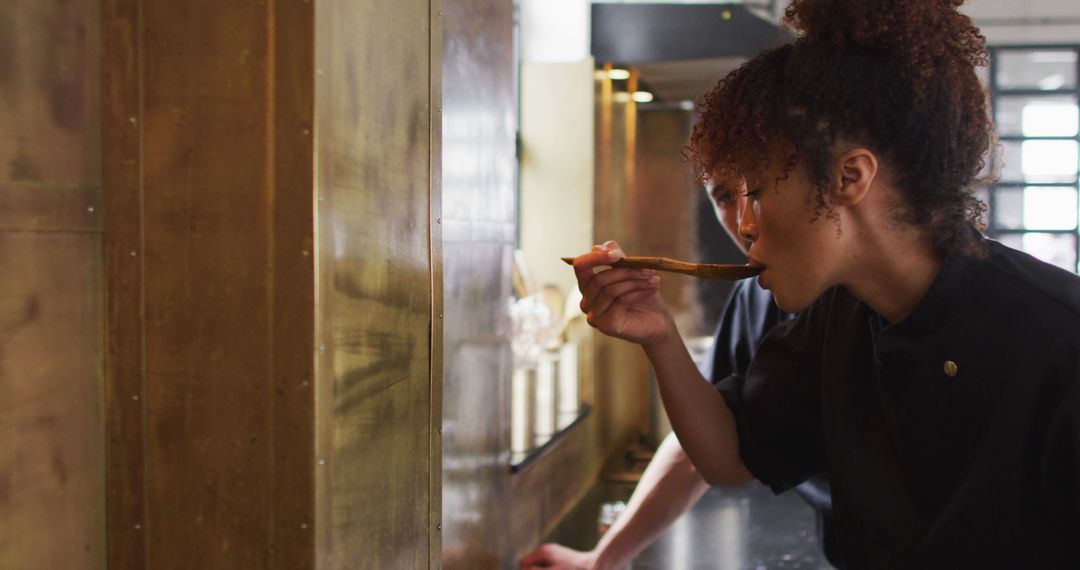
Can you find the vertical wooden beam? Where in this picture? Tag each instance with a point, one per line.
(122, 123)
(291, 87)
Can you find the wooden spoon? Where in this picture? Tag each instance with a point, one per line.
(707, 270)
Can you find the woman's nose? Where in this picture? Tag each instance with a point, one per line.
(748, 229)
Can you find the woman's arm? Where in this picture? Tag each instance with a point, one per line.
(626, 303)
(669, 486)
(698, 413)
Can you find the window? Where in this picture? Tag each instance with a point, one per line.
(1034, 204)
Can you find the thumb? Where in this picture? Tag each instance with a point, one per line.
(612, 245)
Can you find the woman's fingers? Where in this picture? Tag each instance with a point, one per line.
(585, 265)
(619, 292)
(608, 278)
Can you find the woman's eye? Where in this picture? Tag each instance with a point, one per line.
(753, 194)
(725, 199)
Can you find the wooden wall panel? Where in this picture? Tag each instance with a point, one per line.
(52, 500)
(208, 114)
(376, 265)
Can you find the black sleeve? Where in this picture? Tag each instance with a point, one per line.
(720, 364)
(746, 318)
(777, 404)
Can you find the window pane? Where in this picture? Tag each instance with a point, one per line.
(1040, 161)
(1050, 208)
(1058, 249)
(1036, 208)
(1009, 208)
(1037, 116)
(1036, 69)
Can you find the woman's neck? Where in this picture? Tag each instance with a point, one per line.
(895, 269)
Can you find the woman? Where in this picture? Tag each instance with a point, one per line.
(932, 375)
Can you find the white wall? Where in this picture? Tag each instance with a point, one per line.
(556, 167)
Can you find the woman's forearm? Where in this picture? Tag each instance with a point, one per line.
(669, 486)
(698, 413)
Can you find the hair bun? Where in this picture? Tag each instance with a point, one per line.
(922, 30)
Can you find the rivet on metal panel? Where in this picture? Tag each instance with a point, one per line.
(133, 254)
(322, 462)
(438, 220)
(440, 429)
(322, 348)
(306, 132)
(305, 253)
(90, 209)
(138, 526)
(131, 120)
(439, 526)
(304, 383)
(135, 398)
(303, 526)
(440, 315)
(322, 198)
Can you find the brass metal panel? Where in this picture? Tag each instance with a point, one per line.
(621, 371)
(435, 241)
(375, 265)
(52, 500)
(664, 211)
(479, 197)
(476, 415)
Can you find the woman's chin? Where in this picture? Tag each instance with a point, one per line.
(788, 302)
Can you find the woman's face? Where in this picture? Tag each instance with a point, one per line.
(798, 247)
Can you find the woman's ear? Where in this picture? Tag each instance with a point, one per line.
(857, 169)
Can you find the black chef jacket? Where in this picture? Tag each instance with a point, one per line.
(748, 316)
(951, 438)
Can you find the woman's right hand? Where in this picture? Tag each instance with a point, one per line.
(623, 303)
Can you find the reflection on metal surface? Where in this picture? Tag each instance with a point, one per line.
(479, 203)
(374, 284)
(52, 502)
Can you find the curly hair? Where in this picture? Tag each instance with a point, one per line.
(895, 76)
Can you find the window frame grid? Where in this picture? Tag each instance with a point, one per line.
(994, 229)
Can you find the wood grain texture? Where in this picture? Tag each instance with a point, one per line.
(122, 167)
(211, 284)
(52, 501)
(374, 295)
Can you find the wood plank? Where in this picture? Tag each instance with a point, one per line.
(292, 47)
(52, 501)
(121, 167)
(52, 505)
